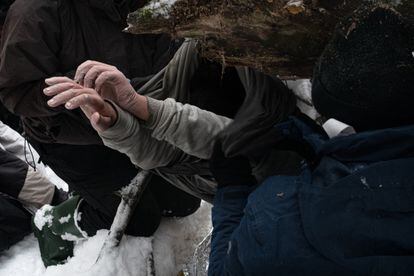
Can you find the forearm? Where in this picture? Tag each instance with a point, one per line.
(187, 127)
(137, 105)
(128, 137)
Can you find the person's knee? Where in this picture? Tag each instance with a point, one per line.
(172, 201)
(146, 217)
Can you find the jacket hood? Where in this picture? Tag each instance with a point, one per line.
(372, 146)
(367, 146)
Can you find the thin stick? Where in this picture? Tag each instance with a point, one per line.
(130, 196)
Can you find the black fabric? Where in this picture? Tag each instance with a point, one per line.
(14, 222)
(230, 171)
(116, 10)
(365, 75)
(96, 172)
(172, 201)
(216, 89)
(268, 101)
(10, 119)
(45, 38)
(59, 196)
(13, 172)
(4, 7)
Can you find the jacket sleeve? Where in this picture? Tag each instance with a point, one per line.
(29, 53)
(129, 137)
(187, 127)
(32, 186)
(227, 216)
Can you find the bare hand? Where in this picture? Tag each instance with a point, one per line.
(108, 81)
(65, 91)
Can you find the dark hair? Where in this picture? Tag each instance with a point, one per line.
(365, 76)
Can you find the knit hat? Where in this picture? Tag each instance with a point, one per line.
(365, 76)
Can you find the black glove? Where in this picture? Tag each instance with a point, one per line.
(232, 171)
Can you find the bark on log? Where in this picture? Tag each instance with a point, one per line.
(280, 37)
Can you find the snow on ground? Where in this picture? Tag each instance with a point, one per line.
(56, 180)
(173, 246)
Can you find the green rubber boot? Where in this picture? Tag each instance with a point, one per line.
(56, 230)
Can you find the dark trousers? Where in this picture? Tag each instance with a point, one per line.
(13, 173)
(96, 172)
(14, 222)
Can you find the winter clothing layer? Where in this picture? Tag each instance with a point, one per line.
(365, 75)
(28, 184)
(349, 211)
(13, 172)
(95, 172)
(268, 101)
(4, 7)
(178, 138)
(23, 189)
(45, 38)
(235, 170)
(14, 221)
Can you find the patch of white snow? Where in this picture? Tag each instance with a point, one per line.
(65, 219)
(43, 217)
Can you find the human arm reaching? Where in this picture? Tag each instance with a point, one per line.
(187, 127)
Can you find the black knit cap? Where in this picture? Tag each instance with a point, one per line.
(365, 76)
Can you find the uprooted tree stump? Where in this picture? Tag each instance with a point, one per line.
(279, 37)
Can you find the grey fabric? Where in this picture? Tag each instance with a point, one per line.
(177, 136)
(185, 126)
(35, 188)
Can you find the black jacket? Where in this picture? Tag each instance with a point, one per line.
(45, 38)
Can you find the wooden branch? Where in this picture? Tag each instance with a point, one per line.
(280, 37)
(130, 196)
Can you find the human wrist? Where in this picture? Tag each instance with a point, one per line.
(137, 105)
(112, 112)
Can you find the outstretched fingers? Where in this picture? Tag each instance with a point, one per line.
(65, 96)
(58, 80)
(59, 88)
(92, 101)
(88, 71)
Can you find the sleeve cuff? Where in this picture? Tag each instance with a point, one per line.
(154, 108)
(122, 126)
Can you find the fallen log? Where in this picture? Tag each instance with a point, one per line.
(279, 37)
